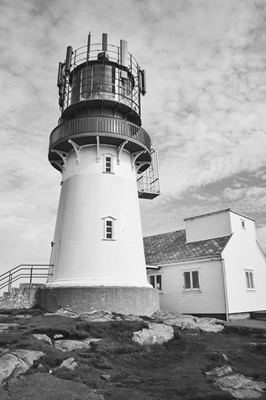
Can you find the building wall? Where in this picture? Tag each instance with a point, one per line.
(209, 299)
(242, 252)
(208, 226)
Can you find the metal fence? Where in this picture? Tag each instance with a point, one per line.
(22, 271)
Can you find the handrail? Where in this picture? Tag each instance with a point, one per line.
(93, 126)
(8, 277)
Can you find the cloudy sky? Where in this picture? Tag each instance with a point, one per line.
(205, 108)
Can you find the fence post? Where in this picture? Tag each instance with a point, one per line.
(31, 270)
(9, 282)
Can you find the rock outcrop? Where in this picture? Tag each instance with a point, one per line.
(240, 386)
(189, 322)
(47, 387)
(16, 363)
(70, 345)
(155, 334)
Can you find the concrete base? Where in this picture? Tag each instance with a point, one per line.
(124, 300)
(238, 316)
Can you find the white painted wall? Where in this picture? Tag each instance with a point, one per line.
(209, 300)
(242, 252)
(208, 226)
(80, 255)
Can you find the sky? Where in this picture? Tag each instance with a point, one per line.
(205, 108)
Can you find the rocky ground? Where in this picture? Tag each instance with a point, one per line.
(105, 356)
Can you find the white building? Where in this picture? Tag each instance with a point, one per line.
(215, 267)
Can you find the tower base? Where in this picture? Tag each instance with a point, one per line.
(119, 299)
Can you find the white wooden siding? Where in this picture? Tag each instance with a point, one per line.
(242, 253)
(208, 227)
(209, 300)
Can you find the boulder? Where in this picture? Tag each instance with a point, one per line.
(16, 363)
(42, 337)
(47, 387)
(155, 334)
(28, 356)
(7, 327)
(189, 322)
(97, 316)
(70, 345)
(58, 336)
(70, 363)
(106, 377)
(10, 367)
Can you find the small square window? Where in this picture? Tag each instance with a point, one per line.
(191, 280)
(156, 281)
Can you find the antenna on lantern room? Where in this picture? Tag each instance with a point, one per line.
(69, 53)
(88, 46)
(142, 82)
(104, 42)
(123, 58)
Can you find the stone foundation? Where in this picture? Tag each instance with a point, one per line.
(26, 296)
(239, 316)
(124, 300)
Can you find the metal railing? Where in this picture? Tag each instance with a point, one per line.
(23, 271)
(148, 181)
(84, 85)
(93, 126)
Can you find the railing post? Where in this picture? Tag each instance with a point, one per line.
(9, 282)
(31, 270)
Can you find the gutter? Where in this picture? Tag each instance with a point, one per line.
(225, 290)
(189, 260)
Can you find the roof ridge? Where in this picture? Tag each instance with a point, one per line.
(165, 233)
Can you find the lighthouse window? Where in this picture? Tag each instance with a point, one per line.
(108, 163)
(109, 228)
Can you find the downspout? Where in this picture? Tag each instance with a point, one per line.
(225, 290)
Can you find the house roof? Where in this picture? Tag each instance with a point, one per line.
(172, 247)
(218, 212)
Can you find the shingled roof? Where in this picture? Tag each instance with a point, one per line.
(172, 246)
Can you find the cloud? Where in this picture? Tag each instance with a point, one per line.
(204, 109)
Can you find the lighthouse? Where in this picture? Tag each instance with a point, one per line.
(107, 163)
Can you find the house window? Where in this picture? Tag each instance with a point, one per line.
(191, 280)
(250, 280)
(156, 281)
(243, 224)
(108, 163)
(109, 228)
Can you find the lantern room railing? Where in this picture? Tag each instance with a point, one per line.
(93, 79)
(93, 126)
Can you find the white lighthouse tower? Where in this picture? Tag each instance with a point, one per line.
(107, 162)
